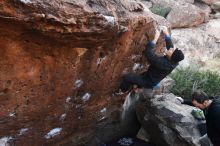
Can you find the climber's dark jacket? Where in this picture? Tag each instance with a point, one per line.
(160, 66)
(212, 116)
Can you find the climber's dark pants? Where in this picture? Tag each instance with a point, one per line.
(132, 79)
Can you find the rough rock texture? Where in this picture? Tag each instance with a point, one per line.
(209, 2)
(147, 4)
(170, 2)
(189, 1)
(206, 9)
(168, 122)
(200, 44)
(216, 6)
(185, 15)
(60, 62)
(167, 84)
(215, 16)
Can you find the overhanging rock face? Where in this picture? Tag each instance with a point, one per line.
(59, 62)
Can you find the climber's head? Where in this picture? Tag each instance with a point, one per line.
(175, 55)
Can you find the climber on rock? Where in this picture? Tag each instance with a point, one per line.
(160, 66)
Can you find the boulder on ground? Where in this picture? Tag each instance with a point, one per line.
(168, 122)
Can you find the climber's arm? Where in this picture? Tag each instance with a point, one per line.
(154, 59)
(156, 36)
(168, 40)
(148, 52)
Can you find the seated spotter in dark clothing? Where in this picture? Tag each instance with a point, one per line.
(212, 116)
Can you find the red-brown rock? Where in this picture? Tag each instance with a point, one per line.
(59, 63)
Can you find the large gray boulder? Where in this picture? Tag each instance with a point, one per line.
(168, 122)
